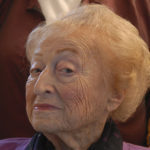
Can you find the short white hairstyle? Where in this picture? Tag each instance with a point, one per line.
(126, 69)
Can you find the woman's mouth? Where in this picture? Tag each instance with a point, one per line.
(39, 107)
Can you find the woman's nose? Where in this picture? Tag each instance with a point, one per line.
(44, 84)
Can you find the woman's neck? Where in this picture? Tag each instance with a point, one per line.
(77, 140)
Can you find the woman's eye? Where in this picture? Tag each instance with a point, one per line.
(67, 71)
(35, 71)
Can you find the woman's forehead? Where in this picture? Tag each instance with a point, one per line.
(61, 38)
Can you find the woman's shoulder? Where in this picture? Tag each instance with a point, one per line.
(14, 143)
(128, 146)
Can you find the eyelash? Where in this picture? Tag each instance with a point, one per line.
(35, 71)
(66, 71)
(62, 69)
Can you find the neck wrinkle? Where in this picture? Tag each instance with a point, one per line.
(77, 140)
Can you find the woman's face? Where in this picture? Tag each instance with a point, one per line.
(65, 90)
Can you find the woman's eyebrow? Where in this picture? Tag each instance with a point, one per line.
(66, 49)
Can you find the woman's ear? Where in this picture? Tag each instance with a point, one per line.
(114, 101)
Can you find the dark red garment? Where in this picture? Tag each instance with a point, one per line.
(17, 19)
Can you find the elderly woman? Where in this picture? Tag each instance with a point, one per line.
(84, 71)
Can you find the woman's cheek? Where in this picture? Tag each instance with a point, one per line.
(72, 95)
(30, 96)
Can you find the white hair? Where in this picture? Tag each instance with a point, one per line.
(128, 68)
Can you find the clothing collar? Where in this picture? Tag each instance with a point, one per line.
(39, 142)
(110, 140)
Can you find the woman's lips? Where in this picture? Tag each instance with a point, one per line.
(44, 107)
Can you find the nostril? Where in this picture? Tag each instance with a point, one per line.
(47, 92)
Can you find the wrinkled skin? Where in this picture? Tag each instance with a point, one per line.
(65, 92)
